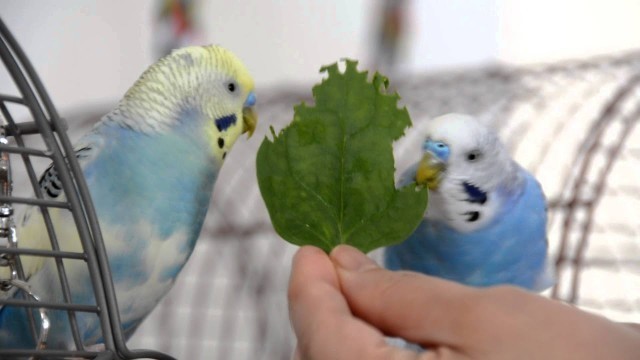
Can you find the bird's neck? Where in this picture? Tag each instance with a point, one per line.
(144, 114)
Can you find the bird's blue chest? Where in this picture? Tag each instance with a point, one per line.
(151, 179)
(511, 249)
(146, 190)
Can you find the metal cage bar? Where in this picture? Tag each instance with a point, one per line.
(51, 128)
(25, 79)
(576, 202)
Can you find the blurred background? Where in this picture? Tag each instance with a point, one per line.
(560, 81)
(90, 52)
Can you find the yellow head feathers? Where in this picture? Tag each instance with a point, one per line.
(209, 78)
(209, 58)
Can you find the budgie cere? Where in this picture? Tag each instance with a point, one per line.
(486, 219)
(150, 164)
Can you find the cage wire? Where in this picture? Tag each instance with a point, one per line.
(24, 147)
(572, 123)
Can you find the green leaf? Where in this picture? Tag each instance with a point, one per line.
(328, 178)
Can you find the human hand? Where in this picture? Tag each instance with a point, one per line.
(342, 306)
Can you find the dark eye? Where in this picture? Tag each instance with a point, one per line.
(473, 155)
(231, 87)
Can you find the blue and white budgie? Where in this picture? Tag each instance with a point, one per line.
(486, 219)
(150, 164)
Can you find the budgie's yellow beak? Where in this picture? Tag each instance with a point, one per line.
(430, 170)
(249, 115)
(249, 119)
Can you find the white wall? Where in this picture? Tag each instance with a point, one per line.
(86, 52)
(451, 33)
(288, 41)
(547, 30)
(89, 52)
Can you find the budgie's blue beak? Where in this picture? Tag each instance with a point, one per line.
(249, 116)
(433, 164)
(439, 149)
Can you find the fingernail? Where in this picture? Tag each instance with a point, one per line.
(351, 259)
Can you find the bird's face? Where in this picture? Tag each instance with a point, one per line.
(458, 147)
(217, 83)
(202, 92)
(230, 110)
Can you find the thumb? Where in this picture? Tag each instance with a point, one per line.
(418, 308)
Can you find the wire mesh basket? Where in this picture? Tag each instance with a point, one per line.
(23, 147)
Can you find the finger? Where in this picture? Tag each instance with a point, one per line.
(633, 326)
(296, 354)
(321, 318)
(416, 307)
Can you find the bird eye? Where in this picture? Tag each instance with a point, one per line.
(473, 155)
(231, 87)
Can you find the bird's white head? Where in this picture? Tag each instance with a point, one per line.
(457, 148)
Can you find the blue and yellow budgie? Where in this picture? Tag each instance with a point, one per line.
(150, 164)
(486, 219)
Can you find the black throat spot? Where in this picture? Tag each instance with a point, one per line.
(475, 195)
